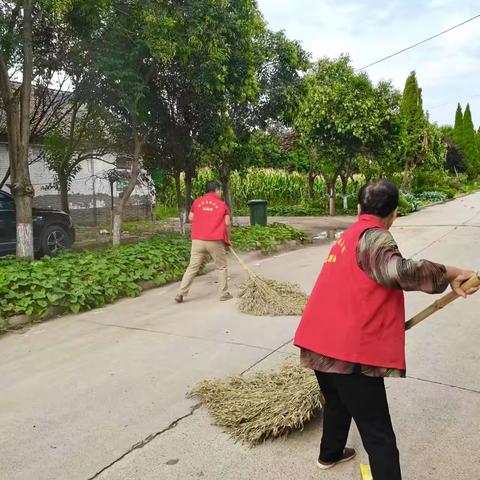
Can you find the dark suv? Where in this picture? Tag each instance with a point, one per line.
(52, 229)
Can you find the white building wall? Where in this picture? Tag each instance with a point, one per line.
(90, 189)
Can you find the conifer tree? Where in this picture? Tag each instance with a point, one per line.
(414, 126)
(470, 144)
(458, 128)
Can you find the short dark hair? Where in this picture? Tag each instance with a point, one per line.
(212, 186)
(379, 198)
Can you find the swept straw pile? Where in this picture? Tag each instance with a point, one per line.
(263, 297)
(264, 405)
(259, 296)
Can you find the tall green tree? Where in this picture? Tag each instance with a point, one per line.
(35, 37)
(120, 68)
(414, 128)
(457, 134)
(469, 144)
(85, 134)
(341, 117)
(477, 137)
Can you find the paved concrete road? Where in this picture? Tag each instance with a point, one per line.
(102, 394)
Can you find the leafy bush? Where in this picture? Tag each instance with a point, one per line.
(84, 281)
(305, 210)
(267, 239)
(448, 192)
(407, 204)
(431, 197)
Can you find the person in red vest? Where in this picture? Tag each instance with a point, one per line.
(211, 221)
(352, 332)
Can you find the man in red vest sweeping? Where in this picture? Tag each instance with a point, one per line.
(352, 332)
(210, 219)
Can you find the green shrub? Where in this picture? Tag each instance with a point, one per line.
(77, 282)
(407, 204)
(432, 197)
(267, 239)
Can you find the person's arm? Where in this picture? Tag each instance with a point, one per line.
(190, 216)
(228, 223)
(379, 257)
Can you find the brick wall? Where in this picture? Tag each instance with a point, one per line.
(84, 214)
(102, 216)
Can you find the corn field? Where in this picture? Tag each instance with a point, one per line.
(278, 187)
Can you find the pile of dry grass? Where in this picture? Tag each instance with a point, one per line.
(264, 405)
(258, 296)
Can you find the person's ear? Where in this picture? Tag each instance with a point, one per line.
(359, 209)
(395, 214)
(392, 217)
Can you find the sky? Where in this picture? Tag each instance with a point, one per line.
(448, 67)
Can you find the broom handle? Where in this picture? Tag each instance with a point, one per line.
(242, 263)
(472, 282)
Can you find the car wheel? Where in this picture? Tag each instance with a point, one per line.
(54, 240)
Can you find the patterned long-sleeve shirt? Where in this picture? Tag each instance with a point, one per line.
(379, 257)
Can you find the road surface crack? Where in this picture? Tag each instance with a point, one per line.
(449, 385)
(171, 334)
(147, 440)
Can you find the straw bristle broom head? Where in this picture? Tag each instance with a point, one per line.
(259, 296)
(264, 405)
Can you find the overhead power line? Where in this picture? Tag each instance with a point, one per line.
(453, 103)
(418, 43)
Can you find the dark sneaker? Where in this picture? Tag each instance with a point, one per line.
(226, 297)
(348, 454)
(179, 298)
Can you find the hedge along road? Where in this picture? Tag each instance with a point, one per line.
(102, 394)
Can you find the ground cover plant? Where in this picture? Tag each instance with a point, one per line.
(76, 282)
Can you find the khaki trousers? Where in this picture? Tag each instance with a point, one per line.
(200, 249)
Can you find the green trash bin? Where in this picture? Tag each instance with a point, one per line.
(258, 212)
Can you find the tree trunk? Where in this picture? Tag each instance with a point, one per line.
(188, 191)
(180, 204)
(224, 175)
(18, 134)
(135, 172)
(331, 197)
(94, 197)
(406, 181)
(344, 179)
(310, 184)
(112, 203)
(63, 184)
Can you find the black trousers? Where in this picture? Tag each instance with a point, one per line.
(364, 399)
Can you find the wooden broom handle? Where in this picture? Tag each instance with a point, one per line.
(472, 282)
(242, 263)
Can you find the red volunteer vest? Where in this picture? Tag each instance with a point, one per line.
(349, 316)
(209, 218)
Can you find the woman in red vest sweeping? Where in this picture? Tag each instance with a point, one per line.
(352, 332)
(210, 218)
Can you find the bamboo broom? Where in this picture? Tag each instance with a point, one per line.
(472, 282)
(273, 403)
(264, 297)
(243, 264)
